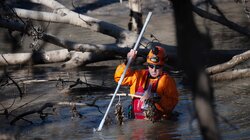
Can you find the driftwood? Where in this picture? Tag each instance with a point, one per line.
(237, 59)
(219, 73)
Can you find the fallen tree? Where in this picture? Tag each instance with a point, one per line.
(237, 59)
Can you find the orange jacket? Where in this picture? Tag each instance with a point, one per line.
(166, 88)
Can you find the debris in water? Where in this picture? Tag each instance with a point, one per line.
(119, 113)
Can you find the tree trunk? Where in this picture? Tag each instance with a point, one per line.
(135, 23)
(191, 44)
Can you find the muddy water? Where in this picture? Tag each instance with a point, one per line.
(61, 125)
(232, 103)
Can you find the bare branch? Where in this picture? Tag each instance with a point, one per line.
(237, 59)
(39, 111)
(222, 21)
(214, 6)
(16, 84)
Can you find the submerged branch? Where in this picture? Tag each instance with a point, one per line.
(16, 84)
(39, 111)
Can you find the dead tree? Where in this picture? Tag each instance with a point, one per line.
(78, 54)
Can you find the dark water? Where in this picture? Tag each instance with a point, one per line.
(61, 124)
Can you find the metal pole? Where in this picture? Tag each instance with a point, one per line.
(124, 72)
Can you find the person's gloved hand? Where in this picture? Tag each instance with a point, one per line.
(132, 53)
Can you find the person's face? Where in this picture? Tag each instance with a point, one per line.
(154, 70)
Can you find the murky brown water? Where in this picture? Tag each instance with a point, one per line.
(232, 103)
(61, 125)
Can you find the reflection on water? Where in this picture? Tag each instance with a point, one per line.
(61, 125)
(140, 129)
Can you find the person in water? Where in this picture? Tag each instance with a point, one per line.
(155, 92)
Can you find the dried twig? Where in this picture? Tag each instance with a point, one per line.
(16, 84)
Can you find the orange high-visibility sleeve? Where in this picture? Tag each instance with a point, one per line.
(169, 95)
(132, 77)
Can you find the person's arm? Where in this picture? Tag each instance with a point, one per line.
(129, 77)
(169, 98)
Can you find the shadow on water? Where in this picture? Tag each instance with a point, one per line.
(140, 129)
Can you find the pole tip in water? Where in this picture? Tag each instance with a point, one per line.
(96, 130)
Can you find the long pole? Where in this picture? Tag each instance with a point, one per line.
(124, 72)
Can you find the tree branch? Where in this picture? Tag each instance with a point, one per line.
(214, 6)
(221, 20)
(39, 111)
(79, 20)
(237, 59)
